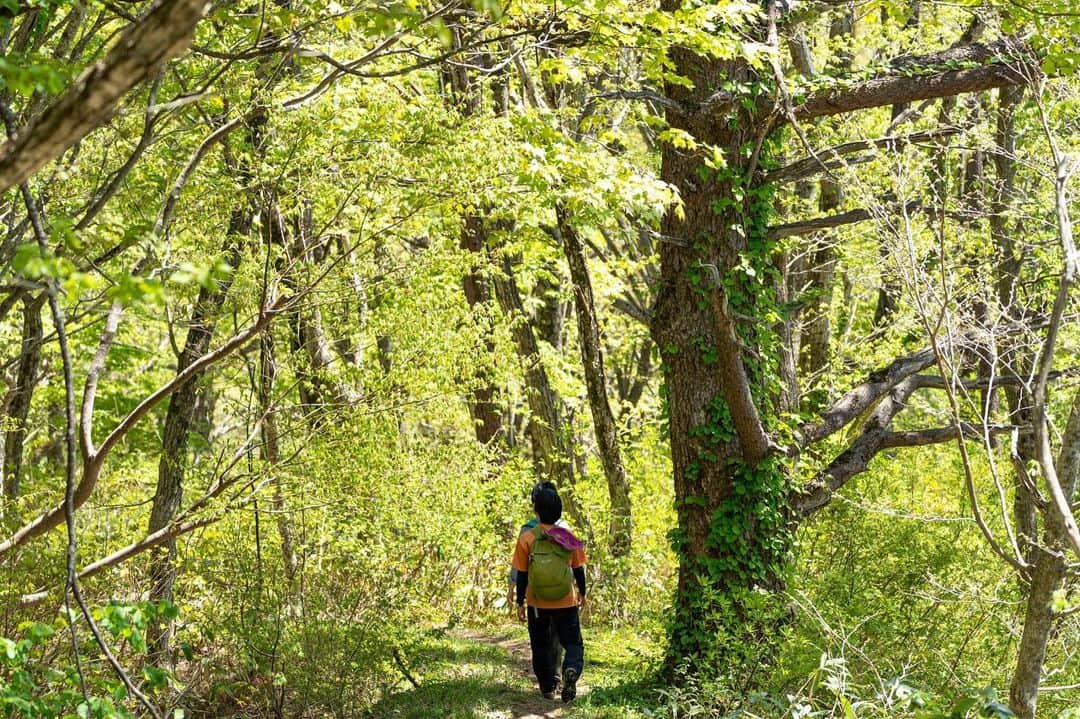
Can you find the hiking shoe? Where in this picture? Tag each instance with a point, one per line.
(569, 687)
(549, 695)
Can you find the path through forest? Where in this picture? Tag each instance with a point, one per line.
(518, 660)
(471, 674)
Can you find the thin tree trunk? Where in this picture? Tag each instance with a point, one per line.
(174, 445)
(1046, 577)
(620, 527)
(821, 261)
(817, 331)
(731, 539)
(271, 452)
(1008, 271)
(550, 317)
(21, 395)
(550, 438)
(309, 338)
(631, 382)
(487, 419)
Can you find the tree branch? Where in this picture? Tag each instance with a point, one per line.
(862, 396)
(993, 70)
(92, 463)
(160, 35)
(851, 217)
(805, 227)
(633, 310)
(808, 166)
(735, 383)
(818, 492)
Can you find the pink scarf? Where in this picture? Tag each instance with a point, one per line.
(564, 538)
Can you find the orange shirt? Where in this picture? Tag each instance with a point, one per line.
(520, 562)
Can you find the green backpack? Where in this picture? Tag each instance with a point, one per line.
(550, 575)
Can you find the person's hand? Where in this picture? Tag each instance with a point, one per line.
(521, 612)
(583, 608)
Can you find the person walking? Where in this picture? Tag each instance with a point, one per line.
(550, 591)
(556, 647)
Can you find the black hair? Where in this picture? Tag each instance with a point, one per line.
(539, 487)
(547, 504)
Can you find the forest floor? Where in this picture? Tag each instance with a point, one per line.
(485, 673)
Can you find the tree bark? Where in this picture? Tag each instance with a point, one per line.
(732, 497)
(821, 263)
(162, 33)
(1046, 577)
(897, 89)
(732, 533)
(271, 452)
(318, 387)
(550, 438)
(620, 527)
(174, 443)
(487, 419)
(22, 393)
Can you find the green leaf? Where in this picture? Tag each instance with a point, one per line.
(156, 678)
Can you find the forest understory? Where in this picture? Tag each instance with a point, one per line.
(300, 299)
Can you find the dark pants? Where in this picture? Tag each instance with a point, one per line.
(545, 626)
(556, 651)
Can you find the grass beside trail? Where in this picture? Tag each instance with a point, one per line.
(484, 673)
(619, 667)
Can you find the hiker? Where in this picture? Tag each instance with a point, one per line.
(556, 647)
(550, 564)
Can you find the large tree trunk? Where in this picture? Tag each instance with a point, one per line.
(733, 532)
(620, 528)
(734, 529)
(21, 395)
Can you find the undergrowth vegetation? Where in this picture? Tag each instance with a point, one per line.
(300, 299)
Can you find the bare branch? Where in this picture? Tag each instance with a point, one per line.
(851, 217)
(854, 460)
(933, 381)
(862, 396)
(808, 166)
(1064, 518)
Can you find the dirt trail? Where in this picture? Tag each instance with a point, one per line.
(519, 661)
